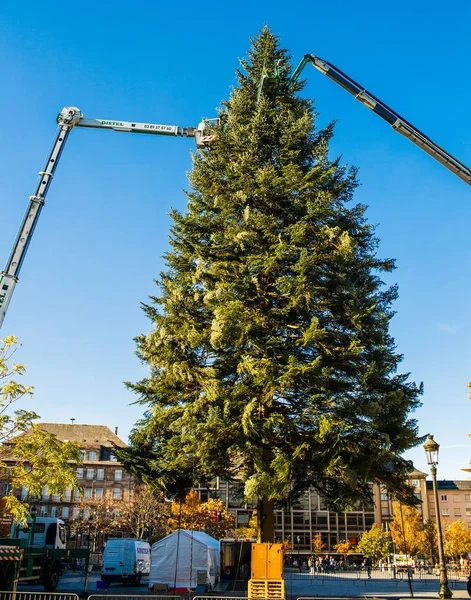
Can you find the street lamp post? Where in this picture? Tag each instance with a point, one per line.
(431, 450)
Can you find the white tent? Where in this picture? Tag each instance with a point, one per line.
(176, 559)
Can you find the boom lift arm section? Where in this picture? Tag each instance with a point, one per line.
(67, 119)
(397, 122)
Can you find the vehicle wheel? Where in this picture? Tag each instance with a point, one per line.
(8, 577)
(51, 579)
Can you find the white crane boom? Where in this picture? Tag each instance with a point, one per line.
(67, 119)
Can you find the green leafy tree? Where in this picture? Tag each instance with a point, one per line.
(270, 357)
(430, 548)
(407, 530)
(375, 543)
(29, 457)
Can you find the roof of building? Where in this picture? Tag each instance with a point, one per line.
(83, 435)
(416, 474)
(448, 484)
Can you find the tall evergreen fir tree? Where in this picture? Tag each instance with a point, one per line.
(270, 357)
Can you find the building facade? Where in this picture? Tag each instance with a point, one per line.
(454, 501)
(101, 476)
(304, 520)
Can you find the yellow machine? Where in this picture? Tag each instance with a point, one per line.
(266, 578)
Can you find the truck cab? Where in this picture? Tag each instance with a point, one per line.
(48, 533)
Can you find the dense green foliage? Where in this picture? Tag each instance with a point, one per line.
(270, 356)
(375, 543)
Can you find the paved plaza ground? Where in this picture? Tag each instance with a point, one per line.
(349, 586)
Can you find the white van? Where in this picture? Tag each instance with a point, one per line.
(126, 560)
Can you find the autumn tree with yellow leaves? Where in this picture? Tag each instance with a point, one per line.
(210, 517)
(29, 457)
(407, 530)
(457, 539)
(344, 547)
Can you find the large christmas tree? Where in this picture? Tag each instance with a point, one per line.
(270, 357)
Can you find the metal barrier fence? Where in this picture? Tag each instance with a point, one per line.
(111, 596)
(37, 596)
(418, 574)
(222, 597)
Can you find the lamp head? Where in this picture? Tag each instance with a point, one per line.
(431, 450)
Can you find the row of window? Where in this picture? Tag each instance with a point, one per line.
(63, 512)
(97, 493)
(69, 494)
(93, 455)
(100, 474)
(456, 512)
(444, 498)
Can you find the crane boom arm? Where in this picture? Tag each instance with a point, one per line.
(397, 122)
(67, 119)
(130, 127)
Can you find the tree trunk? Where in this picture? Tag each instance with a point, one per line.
(266, 521)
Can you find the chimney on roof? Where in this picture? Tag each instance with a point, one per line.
(116, 431)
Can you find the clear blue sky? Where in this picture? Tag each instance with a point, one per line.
(98, 244)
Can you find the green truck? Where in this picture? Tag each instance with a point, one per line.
(36, 553)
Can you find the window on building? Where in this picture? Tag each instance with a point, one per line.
(100, 474)
(88, 493)
(86, 513)
(92, 455)
(45, 494)
(117, 494)
(98, 493)
(56, 498)
(65, 512)
(456, 498)
(457, 512)
(79, 473)
(415, 483)
(468, 512)
(76, 494)
(75, 513)
(67, 494)
(54, 511)
(43, 511)
(467, 497)
(90, 473)
(118, 474)
(113, 458)
(444, 498)
(384, 497)
(84, 454)
(24, 493)
(446, 512)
